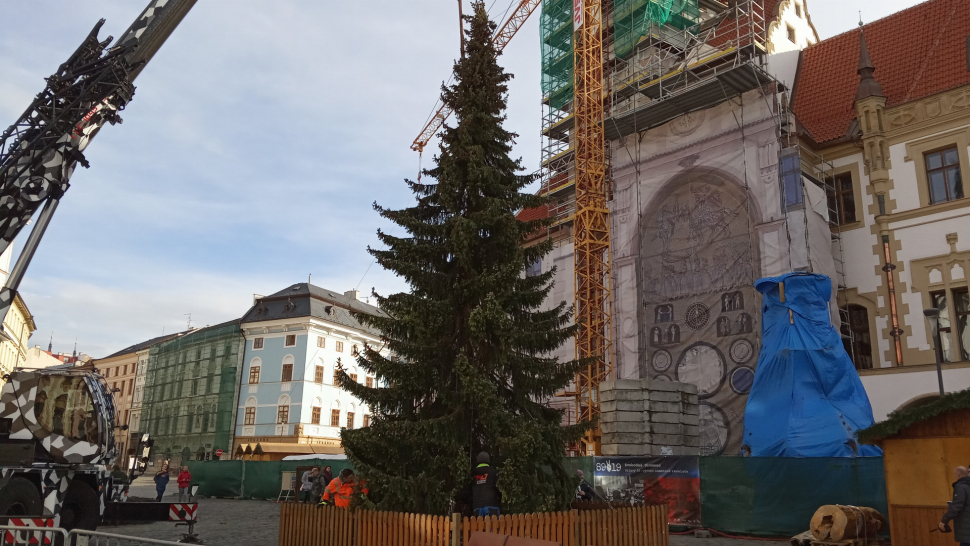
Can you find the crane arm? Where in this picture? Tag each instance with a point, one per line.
(501, 39)
(39, 152)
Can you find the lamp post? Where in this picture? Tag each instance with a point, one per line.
(933, 315)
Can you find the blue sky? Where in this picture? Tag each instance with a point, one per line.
(258, 138)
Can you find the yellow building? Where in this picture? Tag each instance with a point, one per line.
(18, 325)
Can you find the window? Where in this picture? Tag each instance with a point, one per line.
(290, 340)
(321, 342)
(258, 343)
(366, 420)
(798, 10)
(355, 350)
(533, 268)
(335, 418)
(63, 405)
(841, 200)
(287, 373)
(339, 346)
(946, 333)
(250, 416)
(131, 385)
(350, 419)
(961, 304)
(943, 175)
(370, 382)
(107, 373)
(125, 370)
(253, 375)
(856, 338)
(791, 177)
(336, 374)
(353, 377)
(318, 374)
(315, 416)
(283, 415)
(791, 33)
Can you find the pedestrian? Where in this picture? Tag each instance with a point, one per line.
(185, 481)
(306, 484)
(326, 476)
(341, 489)
(585, 491)
(161, 481)
(958, 510)
(319, 485)
(119, 482)
(485, 496)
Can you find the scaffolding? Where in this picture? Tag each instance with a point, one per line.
(191, 390)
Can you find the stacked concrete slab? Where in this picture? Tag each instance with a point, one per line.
(645, 417)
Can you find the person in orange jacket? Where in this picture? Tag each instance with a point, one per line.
(340, 489)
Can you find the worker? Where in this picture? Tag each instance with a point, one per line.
(339, 491)
(486, 497)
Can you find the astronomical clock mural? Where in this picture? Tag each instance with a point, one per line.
(698, 308)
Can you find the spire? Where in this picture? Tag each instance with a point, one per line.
(868, 86)
(50, 344)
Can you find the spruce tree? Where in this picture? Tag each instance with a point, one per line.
(472, 369)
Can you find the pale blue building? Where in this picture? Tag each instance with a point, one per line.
(288, 403)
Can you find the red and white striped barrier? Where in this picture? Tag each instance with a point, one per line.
(182, 512)
(25, 537)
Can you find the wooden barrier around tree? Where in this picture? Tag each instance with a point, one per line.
(307, 525)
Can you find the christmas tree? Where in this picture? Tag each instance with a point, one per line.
(471, 368)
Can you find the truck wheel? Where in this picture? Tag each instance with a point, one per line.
(20, 497)
(81, 508)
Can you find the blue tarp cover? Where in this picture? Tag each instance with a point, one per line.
(807, 399)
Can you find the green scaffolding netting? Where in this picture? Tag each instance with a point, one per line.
(190, 394)
(556, 32)
(251, 479)
(633, 19)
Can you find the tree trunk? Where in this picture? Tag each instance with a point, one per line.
(836, 522)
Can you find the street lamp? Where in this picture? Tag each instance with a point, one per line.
(933, 315)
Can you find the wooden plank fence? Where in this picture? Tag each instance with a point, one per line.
(307, 525)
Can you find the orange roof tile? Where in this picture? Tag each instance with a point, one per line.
(917, 52)
(527, 215)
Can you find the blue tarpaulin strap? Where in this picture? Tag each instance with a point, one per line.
(807, 399)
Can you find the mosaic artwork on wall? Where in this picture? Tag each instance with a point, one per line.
(698, 308)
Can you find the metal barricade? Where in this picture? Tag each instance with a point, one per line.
(24, 535)
(96, 538)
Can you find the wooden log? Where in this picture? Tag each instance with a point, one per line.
(803, 539)
(834, 522)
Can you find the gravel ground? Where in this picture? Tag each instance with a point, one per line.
(228, 522)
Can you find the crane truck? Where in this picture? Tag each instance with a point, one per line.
(57, 425)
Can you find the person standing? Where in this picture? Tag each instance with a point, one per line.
(341, 489)
(306, 484)
(161, 481)
(184, 480)
(585, 491)
(486, 497)
(119, 482)
(326, 476)
(958, 510)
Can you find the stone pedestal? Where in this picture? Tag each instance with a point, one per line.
(642, 417)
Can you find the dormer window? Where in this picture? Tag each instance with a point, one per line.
(798, 10)
(791, 33)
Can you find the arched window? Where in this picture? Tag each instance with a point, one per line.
(287, 374)
(856, 337)
(254, 366)
(283, 410)
(250, 415)
(335, 413)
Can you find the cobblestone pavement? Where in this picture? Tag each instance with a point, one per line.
(229, 522)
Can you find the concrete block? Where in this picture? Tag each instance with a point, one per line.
(668, 439)
(661, 450)
(690, 399)
(667, 428)
(668, 386)
(623, 449)
(692, 430)
(692, 441)
(625, 426)
(692, 410)
(626, 438)
(667, 396)
(613, 395)
(621, 416)
(666, 407)
(660, 417)
(688, 419)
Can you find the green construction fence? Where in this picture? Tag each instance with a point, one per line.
(250, 479)
(775, 496)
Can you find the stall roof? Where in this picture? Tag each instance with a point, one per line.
(900, 420)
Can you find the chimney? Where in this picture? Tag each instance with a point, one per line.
(256, 298)
(355, 294)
